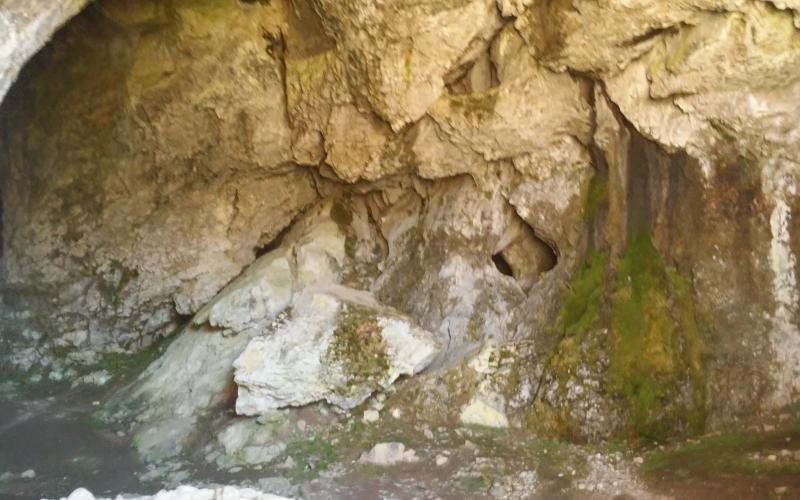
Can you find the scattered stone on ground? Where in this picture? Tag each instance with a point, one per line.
(186, 493)
(386, 454)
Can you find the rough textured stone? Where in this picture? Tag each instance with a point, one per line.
(141, 192)
(26, 27)
(386, 454)
(397, 54)
(333, 349)
(485, 167)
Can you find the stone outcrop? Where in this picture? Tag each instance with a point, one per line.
(337, 347)
(604, 191)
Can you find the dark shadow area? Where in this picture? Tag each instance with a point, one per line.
(502, 264)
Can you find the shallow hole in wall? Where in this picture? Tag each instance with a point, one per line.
(273, 244)
(525, 257)
(476, 76)
(502, 264)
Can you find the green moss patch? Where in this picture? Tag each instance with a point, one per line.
(596, 195)
(638, 319)
(656, 348)
(126, 365)
(310, 457)
(358, 346)
(713, 457)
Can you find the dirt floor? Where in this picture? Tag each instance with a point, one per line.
(53, 432)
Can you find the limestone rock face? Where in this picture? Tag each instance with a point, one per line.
(126, 221)
(515, 118)
(195, 373)
(605, 37)
(605, 191)
(397, 55)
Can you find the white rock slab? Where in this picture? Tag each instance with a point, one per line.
(186, 493)
(299, 364)
(386, 454)
(481, 412)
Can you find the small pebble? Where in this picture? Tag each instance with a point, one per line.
(781, 490)
(441, 460)
(772, 458)
(28, 474)
(397, 412)
(428, 433)
(638, 460)
(371, 416)
(769, 428)
(301, 425)
(234, 470)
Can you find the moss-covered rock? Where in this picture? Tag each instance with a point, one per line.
(629, 339)
(358, 346)
(655, 363)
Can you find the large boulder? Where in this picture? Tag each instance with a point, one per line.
(339, 346)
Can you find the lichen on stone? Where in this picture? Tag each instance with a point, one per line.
(358, 346)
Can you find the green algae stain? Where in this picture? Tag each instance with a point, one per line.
(656, 347)
(654, 343)
(722, 455)
(310, 457)
(596, 196)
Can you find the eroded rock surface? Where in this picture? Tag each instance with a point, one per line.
(338, 347)
(605, 193)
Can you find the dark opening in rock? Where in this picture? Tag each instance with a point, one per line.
(502, 265)
(476, 76)
(273, 244)
(525, 256)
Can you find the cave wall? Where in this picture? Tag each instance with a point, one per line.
(154, 147)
